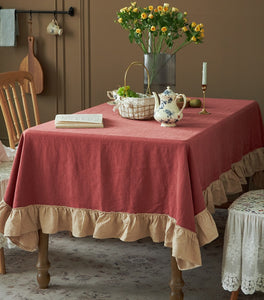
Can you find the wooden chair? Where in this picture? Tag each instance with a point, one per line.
(243, 256)
(19, 109)
(15, 103)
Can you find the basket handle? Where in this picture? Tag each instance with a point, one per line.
(125, 77)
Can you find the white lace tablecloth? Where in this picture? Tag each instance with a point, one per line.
(243, 256)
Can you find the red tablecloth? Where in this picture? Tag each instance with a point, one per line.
(132, 179)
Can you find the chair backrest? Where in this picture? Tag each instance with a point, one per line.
(18, 108)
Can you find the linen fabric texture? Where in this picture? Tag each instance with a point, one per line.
(131, 179)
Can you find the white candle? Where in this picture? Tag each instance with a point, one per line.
(204, 73)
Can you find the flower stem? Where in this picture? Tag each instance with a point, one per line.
(154, 44)
(144, 48)
(185, 43)
(161, 38)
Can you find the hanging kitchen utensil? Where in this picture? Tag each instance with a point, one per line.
(54, 28)
(31, 64)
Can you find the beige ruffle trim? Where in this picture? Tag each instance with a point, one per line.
(127, 227)
(185, 244)
(230, 182)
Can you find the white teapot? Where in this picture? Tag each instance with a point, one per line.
(166, 109)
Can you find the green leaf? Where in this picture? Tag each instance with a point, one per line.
(131, 36)
(180, 16)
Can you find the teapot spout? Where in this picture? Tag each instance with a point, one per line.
(157, 100)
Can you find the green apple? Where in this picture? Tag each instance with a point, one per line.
(195, 103)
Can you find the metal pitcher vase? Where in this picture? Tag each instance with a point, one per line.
(162, 71)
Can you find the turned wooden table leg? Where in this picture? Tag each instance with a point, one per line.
(2, 261)
(176, 282)
(43, 264)
(234, 295)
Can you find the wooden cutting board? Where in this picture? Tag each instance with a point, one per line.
(32, 65)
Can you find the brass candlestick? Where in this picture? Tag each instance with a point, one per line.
(204, 111)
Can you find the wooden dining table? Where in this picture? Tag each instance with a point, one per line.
(133, 179)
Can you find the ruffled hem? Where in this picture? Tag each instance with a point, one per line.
(127, 227)
(230, 182)
(185, 244)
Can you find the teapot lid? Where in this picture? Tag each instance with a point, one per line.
(168, 91)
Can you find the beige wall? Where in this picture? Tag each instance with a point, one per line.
(92, 55)
(64, 59)
(233, 48)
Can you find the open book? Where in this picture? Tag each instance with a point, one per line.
(79, 120)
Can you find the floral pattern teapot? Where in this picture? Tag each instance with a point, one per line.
(166, 109)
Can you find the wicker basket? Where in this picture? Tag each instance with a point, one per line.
(141, 108)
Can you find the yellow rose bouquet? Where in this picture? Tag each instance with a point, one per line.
(156, 29)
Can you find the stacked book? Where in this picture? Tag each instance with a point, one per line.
(79, 120)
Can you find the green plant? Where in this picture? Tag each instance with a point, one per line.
(156, 29)
(127, 92)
